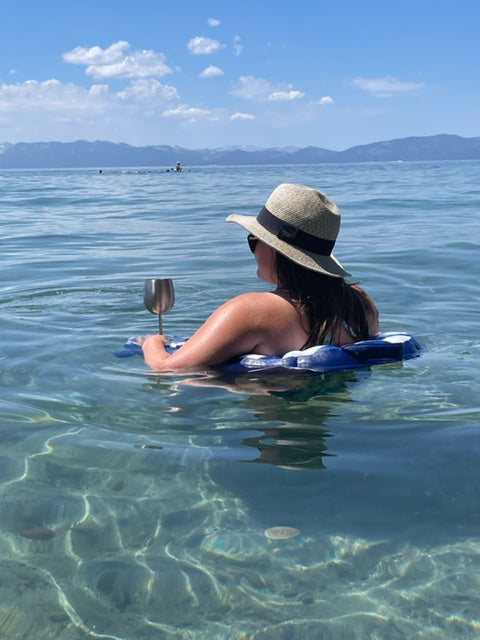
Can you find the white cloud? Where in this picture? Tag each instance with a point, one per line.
(259, 89)
(252, 88)
(183, 111)
(237, 46)
(116, 62)
(143, 64)
(98, 90)
(203, 46)
(210, 72)
(326, 100)
(146, 89)
(97, 55)
(51, 96)
(242, 116)
(285, 96)
(54, 110)
(213, 22)
(385, 86)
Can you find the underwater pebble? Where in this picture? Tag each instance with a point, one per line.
(38, 533)
(281, 533)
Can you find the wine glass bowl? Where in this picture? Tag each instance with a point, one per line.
(158, 297)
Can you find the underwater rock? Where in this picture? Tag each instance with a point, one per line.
(38, 533)
(281, 533)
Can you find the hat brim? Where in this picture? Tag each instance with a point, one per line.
(329, 265)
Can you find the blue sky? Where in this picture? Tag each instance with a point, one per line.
(263, 73)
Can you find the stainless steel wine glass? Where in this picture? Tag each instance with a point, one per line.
(159, 297)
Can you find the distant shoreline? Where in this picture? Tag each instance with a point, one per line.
(103, 155)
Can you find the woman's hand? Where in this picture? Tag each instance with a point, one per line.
(154, 350)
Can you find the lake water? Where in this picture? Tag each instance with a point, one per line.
(134, 506)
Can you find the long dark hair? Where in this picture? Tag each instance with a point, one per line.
(326, 303)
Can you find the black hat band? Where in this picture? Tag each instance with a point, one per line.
(293, 235)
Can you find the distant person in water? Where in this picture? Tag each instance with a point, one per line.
(178, 166)
(292, 239)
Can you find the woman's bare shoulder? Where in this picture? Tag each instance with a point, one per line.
(273, 319)
(259, 302)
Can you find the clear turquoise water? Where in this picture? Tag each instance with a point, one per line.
(133, 506)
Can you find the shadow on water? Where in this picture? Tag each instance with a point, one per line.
(359, 476)
(289, 409)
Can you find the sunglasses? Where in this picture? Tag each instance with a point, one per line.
(252, 242)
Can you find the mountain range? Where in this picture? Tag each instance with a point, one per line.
(43, 155)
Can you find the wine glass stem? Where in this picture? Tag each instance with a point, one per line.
(160, 324)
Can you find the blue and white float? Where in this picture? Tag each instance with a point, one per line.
(385, 348)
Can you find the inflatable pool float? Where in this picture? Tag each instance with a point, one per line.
(385, 348)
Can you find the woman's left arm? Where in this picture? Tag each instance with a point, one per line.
(233, 329)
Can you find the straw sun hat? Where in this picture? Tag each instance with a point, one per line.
(300, 223)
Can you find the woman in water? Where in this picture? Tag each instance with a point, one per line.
(292, 239)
